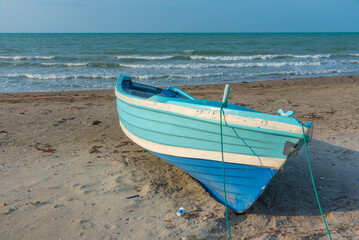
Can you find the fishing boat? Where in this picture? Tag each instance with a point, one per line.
(203, 138)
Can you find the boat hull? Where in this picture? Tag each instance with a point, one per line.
(244, 184)
(186, 134)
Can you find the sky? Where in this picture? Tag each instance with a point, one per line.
(179, 16)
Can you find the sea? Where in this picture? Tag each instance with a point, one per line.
(57, 62)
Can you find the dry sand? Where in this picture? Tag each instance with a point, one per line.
(67, 170)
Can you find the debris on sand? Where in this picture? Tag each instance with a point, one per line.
(124, 143)
(96, 122)
(48, 150)
(94, 149)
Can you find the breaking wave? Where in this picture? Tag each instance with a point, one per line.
(253, 75)
(144, 57)
(187, 76)
(258, 57)
(65, 64)
(222, 58)
(219, 65)
(58, 76)
(18, 58)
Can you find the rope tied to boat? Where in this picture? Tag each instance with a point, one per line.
(294, 153)
(313, 182)
(224, 104)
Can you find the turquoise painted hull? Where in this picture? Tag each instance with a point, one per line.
(185, 132)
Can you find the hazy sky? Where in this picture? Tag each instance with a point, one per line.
(179, 16)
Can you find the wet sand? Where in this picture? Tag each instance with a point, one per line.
(67, 171)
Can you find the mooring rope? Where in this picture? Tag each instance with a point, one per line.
(224, 176)
(224, 173)
(315, 189)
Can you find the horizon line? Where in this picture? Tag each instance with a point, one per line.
(172, 32)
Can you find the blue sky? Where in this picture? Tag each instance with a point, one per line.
(179, 16)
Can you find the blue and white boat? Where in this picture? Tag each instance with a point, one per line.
(185, 132)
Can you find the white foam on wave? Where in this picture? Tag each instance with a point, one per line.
(354, 54)
(144, 57)
(186, 76)
(18, 58)
(354, 61)
(316, 56)
(65, 64)
(302, 72)
(280, 73)
(232, 58)
(328, 71)
(258, 57)
(57, 76)
(218, 65)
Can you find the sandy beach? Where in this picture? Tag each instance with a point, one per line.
(67, 171)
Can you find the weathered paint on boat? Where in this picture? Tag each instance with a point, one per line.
(185, 132)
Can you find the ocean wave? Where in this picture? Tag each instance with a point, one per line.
(58, 76)
(232, 58)
(18, 58)
(301, 73)
(144, 57)
(221, 74)
(87, 64)
(65, 64)
(258, 57)
(354, 54)
(223, 58)
(219, 65)
(281, 73)
(92, 86)
(184, 76)
(354, 61)
(316, 56)
(327, 71)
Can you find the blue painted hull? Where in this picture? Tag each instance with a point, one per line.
(244, 184)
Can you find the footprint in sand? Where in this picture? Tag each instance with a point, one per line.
(81, 189)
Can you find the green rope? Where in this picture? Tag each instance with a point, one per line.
(224, 173)
(315, 189)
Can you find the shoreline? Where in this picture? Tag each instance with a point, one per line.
(189, 85)
(66, 162)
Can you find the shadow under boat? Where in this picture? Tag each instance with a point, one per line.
(290, 193)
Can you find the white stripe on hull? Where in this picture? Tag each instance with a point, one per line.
(204, 154)
(214, 114)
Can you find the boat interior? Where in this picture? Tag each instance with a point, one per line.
(146, 91)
